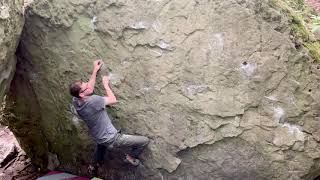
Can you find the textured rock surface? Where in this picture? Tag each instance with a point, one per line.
(218, 86)
(11, 24)
(14, 164)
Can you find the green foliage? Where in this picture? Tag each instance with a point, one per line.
(304, 23)
(314, 49)
(298, 28)
(297, 4)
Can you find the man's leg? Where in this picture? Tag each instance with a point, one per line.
(99, 154)
(136, 143)
(97, 160)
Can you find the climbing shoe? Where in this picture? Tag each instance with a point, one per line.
(131, 160)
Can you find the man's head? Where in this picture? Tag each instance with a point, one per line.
(78, 89)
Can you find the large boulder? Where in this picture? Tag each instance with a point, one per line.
(218, 86)
(11, 24)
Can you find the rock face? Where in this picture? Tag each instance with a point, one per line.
(218, 86)
(11, 24)
(14, 164)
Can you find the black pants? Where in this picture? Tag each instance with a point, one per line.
(99, 154)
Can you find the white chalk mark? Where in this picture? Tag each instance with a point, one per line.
(296, 82)
(110, 76)
(295, 130)
(272, 98)
(249, 68)
(216, 42)
(292, 128)
(279, 114)
(163, 45)
(124, 61)
(146, 89)
(194, 89)
(94, 20)
(219, 40)
(114, 78)
(157, 54)
(139, 25)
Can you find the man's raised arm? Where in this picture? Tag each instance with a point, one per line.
(110, 97)
(92, 81)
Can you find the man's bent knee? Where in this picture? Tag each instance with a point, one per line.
(145, 141)
(142, 140)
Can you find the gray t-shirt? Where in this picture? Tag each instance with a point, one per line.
(92, 112)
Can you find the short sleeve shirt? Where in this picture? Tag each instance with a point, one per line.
(92, 112)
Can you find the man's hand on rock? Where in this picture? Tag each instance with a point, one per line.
(97, 65)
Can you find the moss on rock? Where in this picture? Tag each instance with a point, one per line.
(302, 20)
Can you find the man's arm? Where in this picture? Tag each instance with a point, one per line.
(110, 97)
(92, 81)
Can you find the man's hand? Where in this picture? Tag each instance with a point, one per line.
(110, 98)
(92, 81)
(105, 80)
(97, 65)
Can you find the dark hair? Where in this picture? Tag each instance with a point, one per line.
(75, 88)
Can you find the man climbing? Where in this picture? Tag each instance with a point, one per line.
(91, 109)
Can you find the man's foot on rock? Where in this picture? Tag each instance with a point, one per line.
(131, 160)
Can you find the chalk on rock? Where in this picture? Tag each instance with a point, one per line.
(139, 25)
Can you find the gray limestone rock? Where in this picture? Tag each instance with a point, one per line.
(11, 24)
(218, 86)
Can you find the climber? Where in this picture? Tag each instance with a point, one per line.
(91, 109)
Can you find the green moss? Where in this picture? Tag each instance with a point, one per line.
(297, 4)
(298, 28)
(303, 22)
(314, 49)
